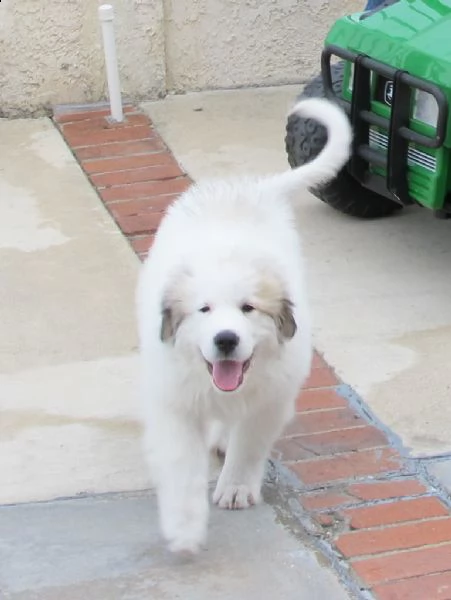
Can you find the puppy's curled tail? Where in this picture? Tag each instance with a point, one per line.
(335, 153)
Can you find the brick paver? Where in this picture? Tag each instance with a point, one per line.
(410, 509)
(388, 524)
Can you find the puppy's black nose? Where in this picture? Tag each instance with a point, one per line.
(226, 341)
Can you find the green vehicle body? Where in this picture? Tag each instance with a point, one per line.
(412, 36)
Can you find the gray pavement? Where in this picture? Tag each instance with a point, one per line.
(70, 417)
(108, 548)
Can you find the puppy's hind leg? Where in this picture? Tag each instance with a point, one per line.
(178, 457)
(251, 440)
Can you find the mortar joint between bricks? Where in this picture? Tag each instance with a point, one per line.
(317, 456)
(312, 487)
(352, 581)
(359, 405)
(435, 484)
(350, 428)
(393, 526)
(279, 483)
(395, 552)
(370, 503)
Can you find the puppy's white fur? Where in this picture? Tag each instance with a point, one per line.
(226, 258)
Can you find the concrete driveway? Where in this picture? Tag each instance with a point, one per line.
(380, 290)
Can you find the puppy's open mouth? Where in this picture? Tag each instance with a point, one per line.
(228, 375)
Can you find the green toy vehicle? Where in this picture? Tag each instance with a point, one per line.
(393, 77)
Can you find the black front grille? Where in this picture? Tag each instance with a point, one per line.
(394, 87)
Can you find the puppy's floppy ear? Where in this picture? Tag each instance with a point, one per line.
(172, 312)
(271, 299)
(169, 324)
(286, 325)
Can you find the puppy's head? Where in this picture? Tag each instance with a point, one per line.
(227, 320)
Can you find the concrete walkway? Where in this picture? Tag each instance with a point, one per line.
(69, 416)
(69, 413)
(108, 548)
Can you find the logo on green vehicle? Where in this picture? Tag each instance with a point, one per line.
(388, 92)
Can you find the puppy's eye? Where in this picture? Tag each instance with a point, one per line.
(204, 309)
(247, 308)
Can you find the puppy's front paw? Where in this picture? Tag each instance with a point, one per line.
(235, 497)
(185, 528)
(184, 546)
(187, 541)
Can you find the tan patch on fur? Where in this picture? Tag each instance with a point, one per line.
(269, 293)
(271, 299)
(172, 310)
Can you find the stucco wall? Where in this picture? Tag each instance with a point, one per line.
(51, 52)
(231, 43)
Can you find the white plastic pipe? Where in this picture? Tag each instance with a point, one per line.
(106, 16)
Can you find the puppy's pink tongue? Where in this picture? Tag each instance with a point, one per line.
(227, 374)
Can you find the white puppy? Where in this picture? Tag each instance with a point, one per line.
(225, 333)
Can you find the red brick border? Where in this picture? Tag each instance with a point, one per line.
(390, 526)
(129, 165)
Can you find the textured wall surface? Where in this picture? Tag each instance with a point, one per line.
(51, 52)
(231, 43)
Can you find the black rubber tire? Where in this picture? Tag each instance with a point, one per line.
(306, 138)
